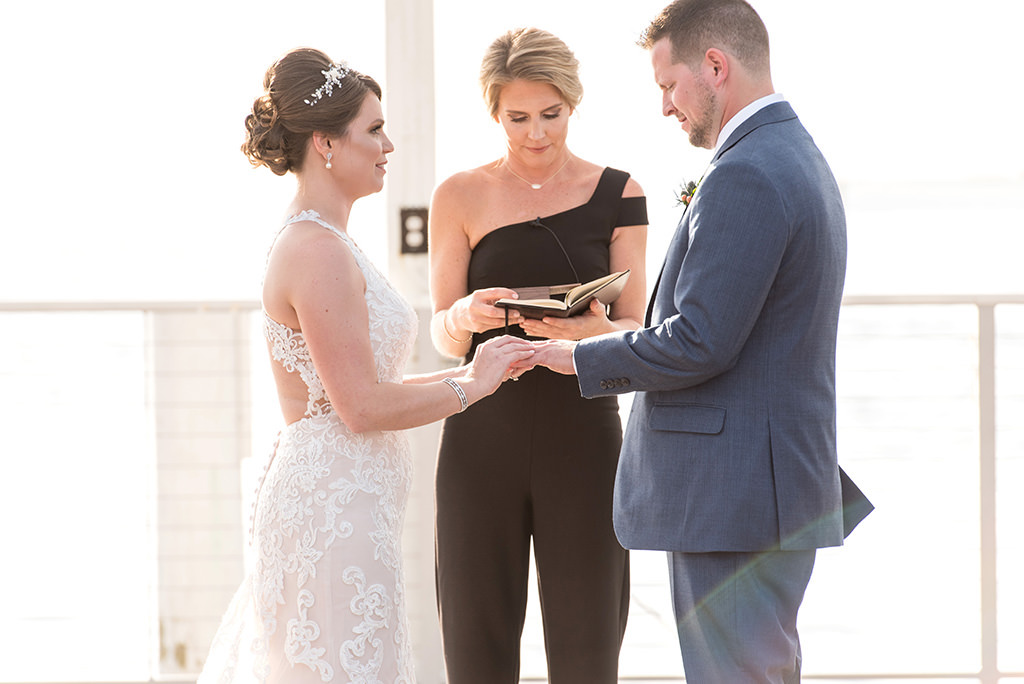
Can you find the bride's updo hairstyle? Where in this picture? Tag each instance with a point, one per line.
(530, 54)
(295, 104)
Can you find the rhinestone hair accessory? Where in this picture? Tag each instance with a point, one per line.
(333, 77)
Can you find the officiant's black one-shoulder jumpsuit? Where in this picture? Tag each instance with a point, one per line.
(535, 460)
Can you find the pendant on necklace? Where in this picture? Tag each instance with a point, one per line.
(538, 186)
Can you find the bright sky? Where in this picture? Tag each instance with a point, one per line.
(123, 120)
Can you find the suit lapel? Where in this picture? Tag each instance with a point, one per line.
(650, 302)
(680, 241)
(773, 113)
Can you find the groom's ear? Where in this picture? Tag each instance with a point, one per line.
(715, 67)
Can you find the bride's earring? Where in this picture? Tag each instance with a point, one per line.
(328, 164)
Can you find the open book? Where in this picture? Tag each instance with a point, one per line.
(538, 302)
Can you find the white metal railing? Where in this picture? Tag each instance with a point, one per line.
(986, 333)
(989, 672)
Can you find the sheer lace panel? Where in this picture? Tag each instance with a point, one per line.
(391, 322)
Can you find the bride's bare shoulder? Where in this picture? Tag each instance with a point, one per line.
(304, 257)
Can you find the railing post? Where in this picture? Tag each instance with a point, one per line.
(987, 481)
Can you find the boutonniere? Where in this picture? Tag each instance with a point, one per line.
(685, 193)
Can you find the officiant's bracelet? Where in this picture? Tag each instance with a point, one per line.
(458, 390)
(453, 338)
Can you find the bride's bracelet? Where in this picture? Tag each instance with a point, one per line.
(453, 338)
(458, 390)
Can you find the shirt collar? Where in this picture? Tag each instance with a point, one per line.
(753, 108)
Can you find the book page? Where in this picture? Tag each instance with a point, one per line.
(546, 303)
(586, 289)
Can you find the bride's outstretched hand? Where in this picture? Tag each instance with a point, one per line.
(499, 359)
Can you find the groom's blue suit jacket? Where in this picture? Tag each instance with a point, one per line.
(731, 440)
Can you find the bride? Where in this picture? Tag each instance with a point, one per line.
(324, 601)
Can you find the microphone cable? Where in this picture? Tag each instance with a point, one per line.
(536, 223)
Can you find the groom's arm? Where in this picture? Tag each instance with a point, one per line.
(718, 294)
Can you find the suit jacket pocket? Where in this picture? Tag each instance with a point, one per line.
(707, 420)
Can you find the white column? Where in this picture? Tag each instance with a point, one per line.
(409, 105)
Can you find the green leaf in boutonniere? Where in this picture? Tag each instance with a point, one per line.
(685, 193)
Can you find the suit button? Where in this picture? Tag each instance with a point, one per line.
(604, 384)
(625, 382)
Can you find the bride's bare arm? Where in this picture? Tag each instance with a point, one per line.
(435, 376)
(318, 276)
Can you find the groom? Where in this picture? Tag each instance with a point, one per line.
(729, 459)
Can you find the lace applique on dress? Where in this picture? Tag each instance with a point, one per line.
(324, 601)
(288, 348)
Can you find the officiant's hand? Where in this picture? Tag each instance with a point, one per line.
(476, 312)
(592, 322)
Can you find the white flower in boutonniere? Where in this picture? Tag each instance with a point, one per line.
(685, 193)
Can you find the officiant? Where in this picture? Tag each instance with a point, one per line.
(534, 461)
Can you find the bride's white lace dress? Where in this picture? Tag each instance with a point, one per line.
(324, 600)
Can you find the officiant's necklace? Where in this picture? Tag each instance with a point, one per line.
(538, 186)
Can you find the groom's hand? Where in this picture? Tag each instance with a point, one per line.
(555, 354)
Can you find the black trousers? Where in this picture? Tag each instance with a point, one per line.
(533, 461)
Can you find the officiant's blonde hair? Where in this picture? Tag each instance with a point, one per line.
(530, 54)
(282, 120)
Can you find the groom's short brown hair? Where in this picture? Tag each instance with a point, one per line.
(695, 26)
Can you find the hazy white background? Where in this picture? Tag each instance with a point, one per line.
(123, 178)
